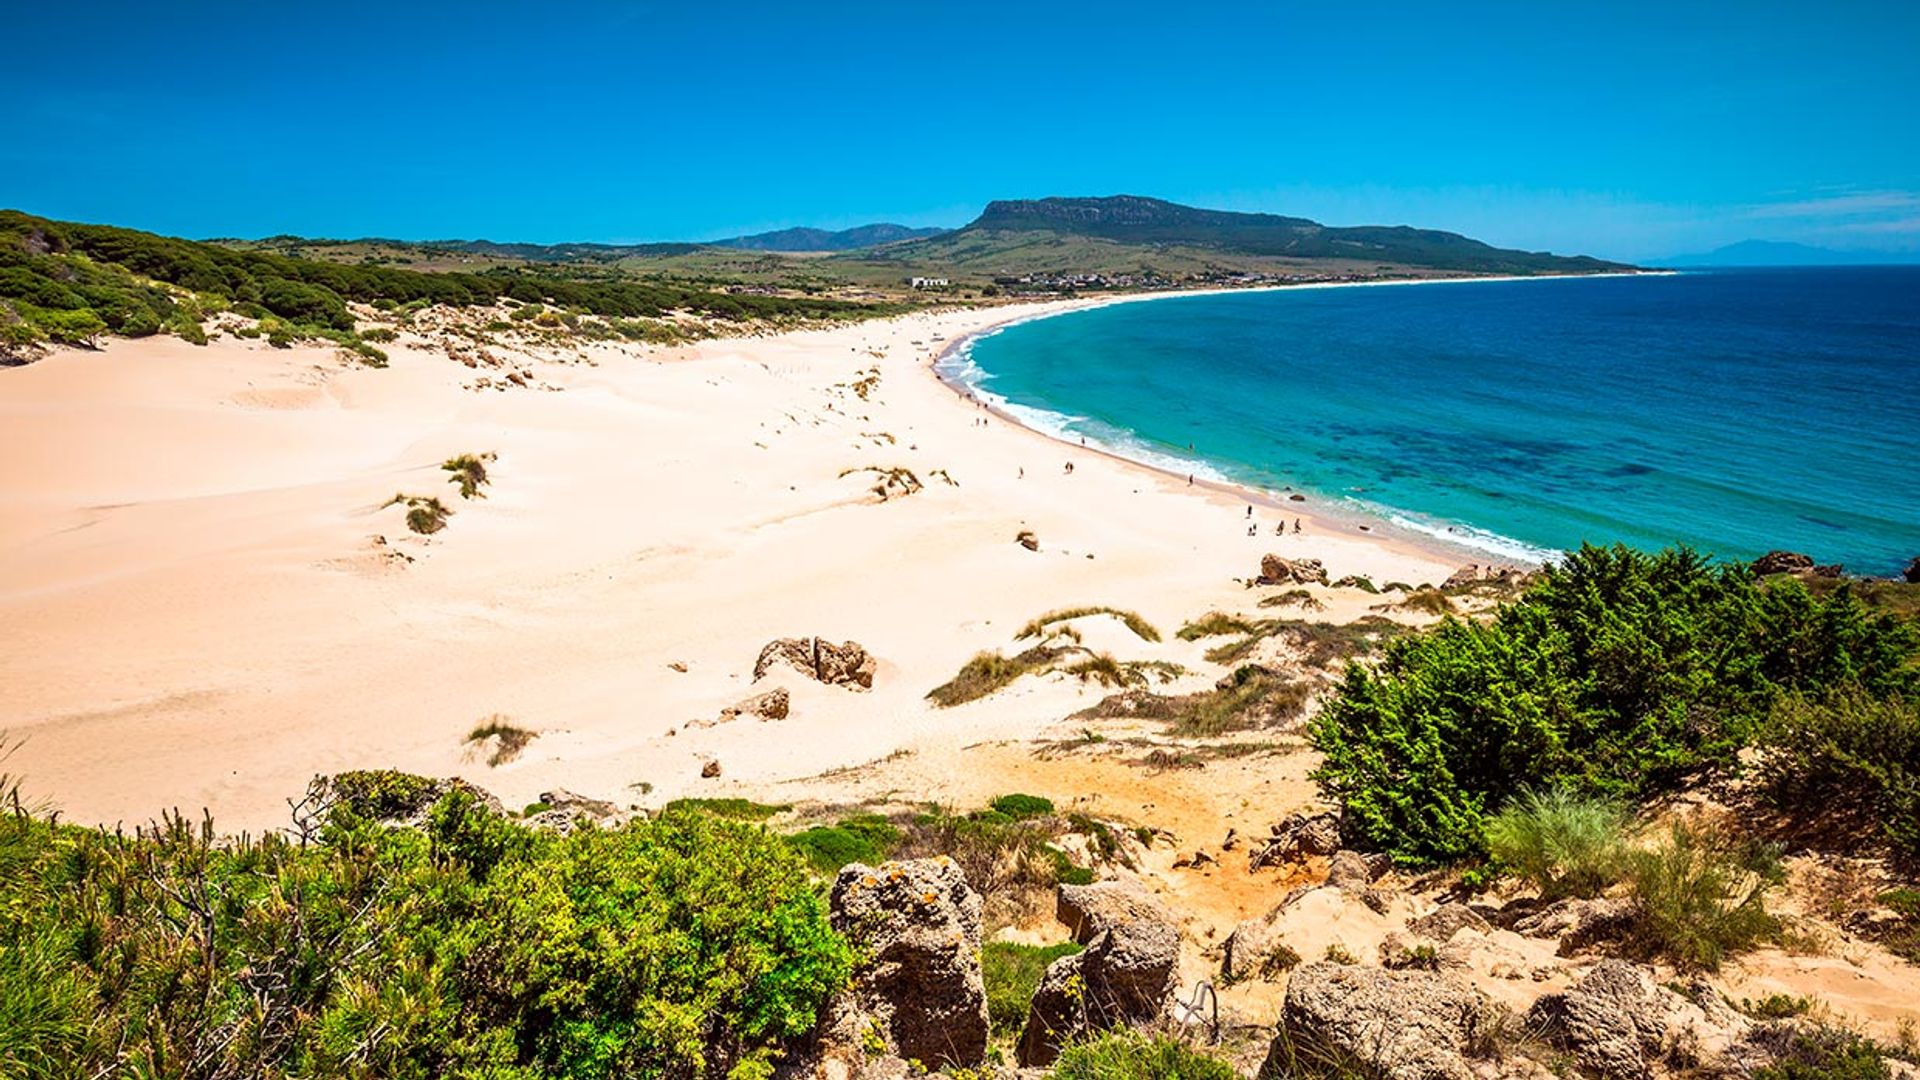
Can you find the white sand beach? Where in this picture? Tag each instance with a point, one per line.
(206, 602)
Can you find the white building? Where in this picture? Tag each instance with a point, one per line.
(929, 283)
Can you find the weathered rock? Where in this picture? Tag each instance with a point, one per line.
(1028, 540)
(917, 923)
(1913, 571)
(772, 705)
(1782, 562)
(1579, 924)
(1394, 1025)
(1256, 950)
(1447, 920)
(1275, 570)
(1618, 1022)
(711, 770)
(1124, 977)
(1295, 837)
(1087, 911)
(845, 664)
(1349, 870)
(572, 805)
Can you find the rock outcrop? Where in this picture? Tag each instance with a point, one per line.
(1295, 837)
(1275, 570)
(1447, 920)
(845, 664)
(1394, 1025)
(1474, 574)
(772, 705)
(1579, 924)
(1617, 1022)
(917, 923)
(1913, 571)
(1124, 978)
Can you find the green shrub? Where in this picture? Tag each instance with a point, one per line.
(1700, 897)
(866, 838)
(1017, 806)
(1563, 843)
(1012, 972)
(1132, 1055)
(1849, 762)
(740, 809)
(1827, 1054)
(687, 946)
(1616, 673)
(469, 471)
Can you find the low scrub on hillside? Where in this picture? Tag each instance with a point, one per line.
(687, 946)
(1617, 673)
(1133, 1055)
(1848, 764)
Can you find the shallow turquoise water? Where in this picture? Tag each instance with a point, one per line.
(1737, 411)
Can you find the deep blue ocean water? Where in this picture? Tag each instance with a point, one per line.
(1737, 411)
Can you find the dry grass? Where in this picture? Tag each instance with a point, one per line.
(1215, 624)
(1141, 628)
(470, 472)
(499, 738)
(893, 480)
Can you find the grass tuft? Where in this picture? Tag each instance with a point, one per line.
(470, 472)
(1564, 844)
(501, 738)
(1141, 628)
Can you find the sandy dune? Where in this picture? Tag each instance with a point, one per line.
(205, 602)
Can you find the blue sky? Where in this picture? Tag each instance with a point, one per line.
(1626, 130)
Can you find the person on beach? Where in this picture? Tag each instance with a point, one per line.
(1189, 479)
(1249, 509)
(1296, 526)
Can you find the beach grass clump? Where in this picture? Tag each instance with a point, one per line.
(988, 672)
(1011, 972)
(1215, 624)
(892, 480)
(1428, 600)
(1019, 807)
(500, 739)
(1137, 1055)
(1299, 598)
(426, 514)
(1039, 627)
(1252, 697)
(1700, 897)
(469, 471)
(1561, 842)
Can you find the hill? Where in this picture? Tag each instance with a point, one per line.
(1157, 225)
(803, 239)
(1783, 253)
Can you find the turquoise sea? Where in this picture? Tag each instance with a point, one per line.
(1737, 411)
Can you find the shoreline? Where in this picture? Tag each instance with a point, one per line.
(1324, 514)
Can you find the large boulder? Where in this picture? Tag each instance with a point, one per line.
(1580, 924)
(1295, 837)
(845, 664)
(1782, 562)
(917, 924)
(1124, 977)
(1275, 570)
(1256, 949)
(1087, 911)
(1391, 1025)
(772, 705)
(1913, 571)
(1619, 1023)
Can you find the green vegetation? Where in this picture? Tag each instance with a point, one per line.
(500, 739)
(70, 283)
(1564, 844)
(988, 672)
(1012, 972)
(687, 946)
(738, 809)
(1017, 807)
(1847, 763)
(426, 514)
(1700, 897)
(1318, 644)
(1040, 627)
(1214, 624)
(470, 472)
(1133, 1055)
(863, 838)
(1827, 1053)
(1617, 673)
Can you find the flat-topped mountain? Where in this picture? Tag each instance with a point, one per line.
(1137, 220)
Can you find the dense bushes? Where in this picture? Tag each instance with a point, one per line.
(1131, 1055)
(53, 272)
(687, 946)
(1847, 761)
(1617, 673)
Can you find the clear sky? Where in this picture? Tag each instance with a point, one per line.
(1625, 129)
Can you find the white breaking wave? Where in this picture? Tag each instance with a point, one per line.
(1506, 547)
